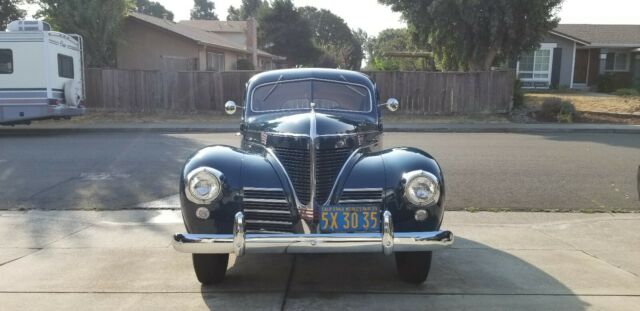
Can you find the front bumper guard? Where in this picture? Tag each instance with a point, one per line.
(240, 242)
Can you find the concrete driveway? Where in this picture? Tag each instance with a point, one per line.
(121, 260)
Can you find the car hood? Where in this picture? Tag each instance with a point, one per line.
(300, 123)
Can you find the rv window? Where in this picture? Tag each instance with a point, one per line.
(65, 66)
(6, 61)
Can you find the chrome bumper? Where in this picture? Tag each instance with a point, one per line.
(240, 243)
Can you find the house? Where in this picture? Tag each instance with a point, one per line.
(151, 43)
(575, 55)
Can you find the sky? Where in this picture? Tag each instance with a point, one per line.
(374, 17)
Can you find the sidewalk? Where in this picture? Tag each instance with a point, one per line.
(68, 260)
(232, 127)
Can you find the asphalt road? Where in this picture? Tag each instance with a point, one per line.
(567, 171)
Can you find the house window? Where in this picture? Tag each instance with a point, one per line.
(6, 61)
(215, 61)
(534, 68)
(65, 66)
(617, 61)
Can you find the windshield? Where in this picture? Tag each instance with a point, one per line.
(299, 94)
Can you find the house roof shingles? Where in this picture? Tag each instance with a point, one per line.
(194, 34)
(217, 26)
(603, 35)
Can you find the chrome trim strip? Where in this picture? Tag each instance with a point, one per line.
(274, 222)
(264, 200)
(263, 189)
(312, 154)
(362, 189)
(240, 242)
(267, 211)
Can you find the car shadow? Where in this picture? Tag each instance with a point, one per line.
(468, 275)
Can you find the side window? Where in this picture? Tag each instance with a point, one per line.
(65, 66)
(6, 61)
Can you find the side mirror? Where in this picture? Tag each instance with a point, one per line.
(392, 104)
(230, 107)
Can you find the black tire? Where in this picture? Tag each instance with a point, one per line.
(413, 267)
(210, 268)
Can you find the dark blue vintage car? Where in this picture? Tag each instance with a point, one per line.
(311, 176)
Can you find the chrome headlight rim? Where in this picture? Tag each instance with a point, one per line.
(203, 172)
(412, 176)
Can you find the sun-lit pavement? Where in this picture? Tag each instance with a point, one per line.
(122, 260)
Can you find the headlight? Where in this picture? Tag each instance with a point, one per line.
(203, 185)
(421, 188)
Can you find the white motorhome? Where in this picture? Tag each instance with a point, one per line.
(41, 73)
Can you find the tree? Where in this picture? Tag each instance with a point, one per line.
(391, 41)
(154, 9)
(9, 12)
(283, 31)
(204, 9)
(474, 34)
(330, 33)
(97, 21)
(248, 8)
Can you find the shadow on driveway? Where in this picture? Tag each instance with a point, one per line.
(474, 277)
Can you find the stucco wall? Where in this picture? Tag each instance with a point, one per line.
(566, 58)
(142, 46)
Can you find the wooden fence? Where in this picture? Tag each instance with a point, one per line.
(418, 92)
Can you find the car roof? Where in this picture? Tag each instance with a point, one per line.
(339, 75)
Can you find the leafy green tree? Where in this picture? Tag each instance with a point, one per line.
(330, 33)
(381, 51)
(474, 34)
(153, 8)
(204, 9)
(97, 21)
(248, 8)
(283, 31)
(9, 11)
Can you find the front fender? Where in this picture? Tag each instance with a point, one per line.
(384, 169)
(240, 169)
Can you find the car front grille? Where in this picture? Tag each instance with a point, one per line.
(266, 210)
(297, 163)
(328, 165)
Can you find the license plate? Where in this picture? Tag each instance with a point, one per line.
(350, 219)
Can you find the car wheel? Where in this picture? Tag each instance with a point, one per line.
(413, 267)
(210, 268)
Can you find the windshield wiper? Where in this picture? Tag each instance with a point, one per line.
(272, 89)
(352, 88)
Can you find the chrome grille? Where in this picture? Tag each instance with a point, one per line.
(361, 195)
(266, 210)
(296, 163)
(328, 164)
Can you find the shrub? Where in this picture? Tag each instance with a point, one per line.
(244, 64)
(627, 92)
(561, 110)
(610, 82)
(518, 94)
